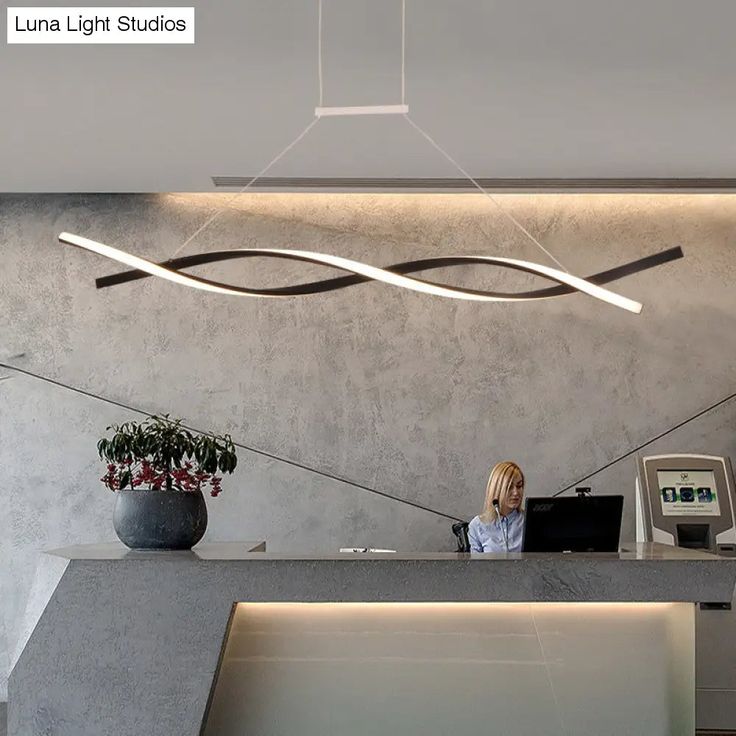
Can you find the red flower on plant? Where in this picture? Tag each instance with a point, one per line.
(161, 454)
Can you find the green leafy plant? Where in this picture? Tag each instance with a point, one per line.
(160, 454)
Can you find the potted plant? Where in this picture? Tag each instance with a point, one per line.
(158, 470)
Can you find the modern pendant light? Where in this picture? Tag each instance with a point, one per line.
(362, 272)
(394, 275)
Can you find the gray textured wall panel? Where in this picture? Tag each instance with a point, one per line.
(409, 394)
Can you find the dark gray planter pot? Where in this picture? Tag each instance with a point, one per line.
(160, 519)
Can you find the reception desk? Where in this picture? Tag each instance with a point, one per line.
(220, 641)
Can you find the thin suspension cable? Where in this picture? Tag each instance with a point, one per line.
(252, 181)
(403, 52)
(501, 208)
(319, 51)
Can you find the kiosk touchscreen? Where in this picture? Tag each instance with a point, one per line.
(686, 500)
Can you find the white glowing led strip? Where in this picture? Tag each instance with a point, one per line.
(362, 269)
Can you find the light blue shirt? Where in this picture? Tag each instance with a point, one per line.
(494, 536)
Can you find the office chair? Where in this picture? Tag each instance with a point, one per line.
(460, 530)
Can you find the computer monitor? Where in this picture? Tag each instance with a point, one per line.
(579, 524)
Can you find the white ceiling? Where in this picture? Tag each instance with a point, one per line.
(522, 88)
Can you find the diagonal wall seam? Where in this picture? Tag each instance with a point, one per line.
(248, 448)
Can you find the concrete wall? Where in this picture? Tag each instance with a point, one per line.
(412, 395)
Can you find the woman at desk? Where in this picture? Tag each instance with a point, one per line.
(499, 528)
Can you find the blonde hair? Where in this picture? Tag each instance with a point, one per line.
(502, 477)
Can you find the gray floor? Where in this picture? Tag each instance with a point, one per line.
(4, 726)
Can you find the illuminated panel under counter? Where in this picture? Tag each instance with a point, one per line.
(323, 669)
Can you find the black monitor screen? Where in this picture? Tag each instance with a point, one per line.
(588, 524)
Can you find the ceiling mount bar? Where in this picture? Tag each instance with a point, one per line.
(496, 184)
(322, 112)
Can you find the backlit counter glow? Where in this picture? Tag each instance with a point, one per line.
(433, 668)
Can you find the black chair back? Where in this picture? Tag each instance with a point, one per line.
(460, 530)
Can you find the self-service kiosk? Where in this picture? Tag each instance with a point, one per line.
(688, 501)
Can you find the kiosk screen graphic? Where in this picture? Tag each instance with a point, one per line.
(688, 493)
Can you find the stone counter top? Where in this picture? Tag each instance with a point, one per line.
(256, 551)
(638, 572)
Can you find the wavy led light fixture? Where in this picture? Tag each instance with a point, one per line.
(361, 272)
